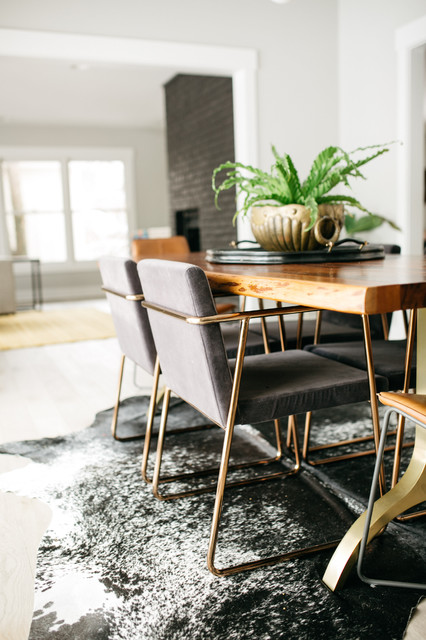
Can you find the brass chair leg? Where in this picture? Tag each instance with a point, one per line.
(299, 331)
(221, 485)
(307, 433)
(401, 419)
(150, 419)
(157, 480)
(399, 432)
(117, 402)
(374, 415)
(374, 404)
(264, 330)
(116, 409)
(156, 397)
(281, 329)
(306, 450)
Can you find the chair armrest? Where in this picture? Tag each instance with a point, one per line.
(229, 317)
(128, 296)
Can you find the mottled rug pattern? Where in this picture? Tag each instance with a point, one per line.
(117, 564)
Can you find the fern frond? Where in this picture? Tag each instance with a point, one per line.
(311, 204)
(321, 166)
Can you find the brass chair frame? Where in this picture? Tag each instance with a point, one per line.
(157, 479)
(292, 427)
(244, 317)
(115, 435)
(155, 397)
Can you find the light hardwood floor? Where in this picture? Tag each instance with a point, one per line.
(46, 392)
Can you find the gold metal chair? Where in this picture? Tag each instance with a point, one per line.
(123, 289)
(249, 390)
(124, 294)
(411, 490)
(407, 493)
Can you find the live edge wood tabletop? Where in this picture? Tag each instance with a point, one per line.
(368, 287)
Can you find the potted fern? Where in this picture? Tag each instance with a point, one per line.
(290, 215)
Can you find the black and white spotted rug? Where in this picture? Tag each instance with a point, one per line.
(116, 563)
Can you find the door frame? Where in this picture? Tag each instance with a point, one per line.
(410, 41)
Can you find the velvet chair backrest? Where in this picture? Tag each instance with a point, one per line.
(192, 357)
(130, 318)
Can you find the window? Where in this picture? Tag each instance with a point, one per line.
(69, 209)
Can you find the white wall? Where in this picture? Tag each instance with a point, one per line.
(151, 191)
(297, 79)
(368, 93)
(296, 42)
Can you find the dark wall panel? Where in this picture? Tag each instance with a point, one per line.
(200, 136)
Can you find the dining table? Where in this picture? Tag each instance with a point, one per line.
(362, 287)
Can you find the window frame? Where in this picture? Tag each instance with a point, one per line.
(64, 155)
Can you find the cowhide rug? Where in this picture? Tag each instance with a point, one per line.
(118, 564)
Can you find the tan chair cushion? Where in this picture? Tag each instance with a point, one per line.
(414, 404)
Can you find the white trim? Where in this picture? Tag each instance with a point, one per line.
(153, 53)
(410, 40)
(240, 63)
(64, 153)
(4, 236)
(244, 92)
(411, 35)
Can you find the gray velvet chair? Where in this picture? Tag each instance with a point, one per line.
(123, 289)
(247, 390)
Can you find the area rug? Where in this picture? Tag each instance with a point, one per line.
(117, 564)
(38, 328)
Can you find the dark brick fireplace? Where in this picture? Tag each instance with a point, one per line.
(200, 136)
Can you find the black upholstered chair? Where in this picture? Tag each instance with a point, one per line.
(391, 358)
(123, 289)
(411, 488)
(249, 389)
(325, 326)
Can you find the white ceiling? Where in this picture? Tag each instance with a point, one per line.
(52, 92)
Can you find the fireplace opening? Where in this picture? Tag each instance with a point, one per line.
(187, 224)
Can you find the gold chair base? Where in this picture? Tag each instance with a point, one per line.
(224, 467)
(265, 562)
(157, 479)
(347, 456)
(156, 398)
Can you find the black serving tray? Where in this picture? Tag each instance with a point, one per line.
(347, 250)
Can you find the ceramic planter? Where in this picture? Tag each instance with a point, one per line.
(284, 228)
